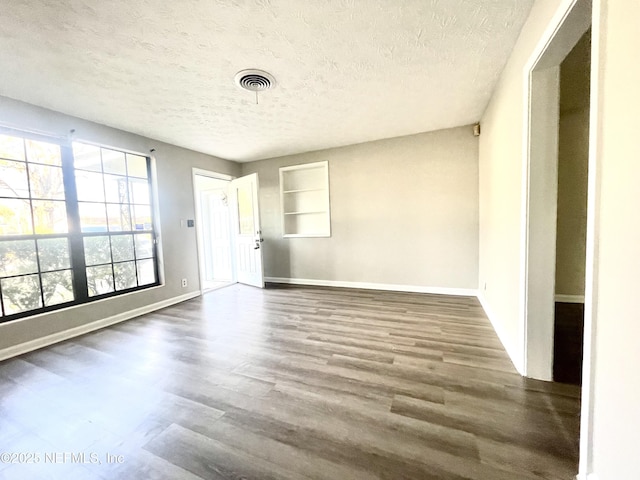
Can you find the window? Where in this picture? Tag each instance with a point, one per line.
(75, 224)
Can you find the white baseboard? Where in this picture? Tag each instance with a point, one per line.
(37, 343)
(584, 476)
(569, 298)
(511, 350)
(465, 292)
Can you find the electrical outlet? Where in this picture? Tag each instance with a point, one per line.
(184, 282)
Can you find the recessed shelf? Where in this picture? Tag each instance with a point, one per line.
(304, 196)
(304, 190)
(300, 235)
(305, 212)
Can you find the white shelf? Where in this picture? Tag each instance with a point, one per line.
(304, 197)
(305, 212)
(300, 235)
(304, 190)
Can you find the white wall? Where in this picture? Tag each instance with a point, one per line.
(175, 192)
(616, 399)
(501, 173)
(404, 213)
(611, 393)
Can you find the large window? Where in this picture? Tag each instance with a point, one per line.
(76, 224)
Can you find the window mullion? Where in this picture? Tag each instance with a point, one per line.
(76, 244)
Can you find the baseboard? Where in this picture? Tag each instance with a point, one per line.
(465, 292)
(569, 298)
(584, 476)
(511, 351)
(31, 345)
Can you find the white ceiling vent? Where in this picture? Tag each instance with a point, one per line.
(255, 80)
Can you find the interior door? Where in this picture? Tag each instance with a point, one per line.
(246, 230)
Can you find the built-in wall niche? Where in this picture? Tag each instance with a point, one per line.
(304, 196)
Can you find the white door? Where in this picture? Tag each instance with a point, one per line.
(218, 254)
(246, 230)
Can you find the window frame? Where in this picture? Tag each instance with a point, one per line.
(75, 236)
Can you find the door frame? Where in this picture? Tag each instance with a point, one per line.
(199, 234)
(571, 19)
(539, 184)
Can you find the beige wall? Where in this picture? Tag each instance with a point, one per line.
(616, 401)
(404, 211)
(175, 192)
(573, 158)
(610, 402)
(501, 171)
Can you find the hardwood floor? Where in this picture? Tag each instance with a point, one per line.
(288, 383)
(567, 346)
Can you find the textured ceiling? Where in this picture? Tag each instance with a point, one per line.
(347, 71)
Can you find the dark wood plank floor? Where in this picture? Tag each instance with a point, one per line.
(567, 344)
(288, 383)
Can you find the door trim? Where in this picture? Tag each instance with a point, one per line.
(568, 17)
(196, 205)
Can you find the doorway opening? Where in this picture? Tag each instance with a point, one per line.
(547, 179)
(213, 220)
(540, 187)
(571, 236)
(228, 230)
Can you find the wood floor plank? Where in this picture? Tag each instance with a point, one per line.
(291, 383)
(213, 459)
(288, 457)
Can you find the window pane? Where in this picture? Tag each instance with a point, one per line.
(122, 247)
(13, 179)
(116, 189)
(142, 217)
(89, 186)
(86, 157)
(20, 294)
(114, 198)
(11, 147)
(42, 152)
(50, 216)
(125, 275)
(113, 162)
(57, 287)
(139, 191)
(93, 217)
(146, 272)
(46, 182)
(18, 257)
(144, 246)
(15, 217)
(99, 280)
(97, 250)
(137, 166)
(53, 254)
(119, 217)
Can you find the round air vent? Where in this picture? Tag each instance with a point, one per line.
(255, 80)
